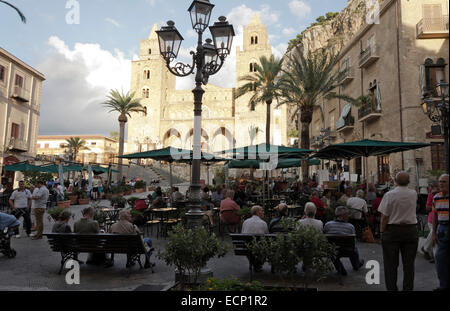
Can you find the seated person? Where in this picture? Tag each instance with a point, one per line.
(158, 201)
(177, 195)
(124, 226)
(256, 225)
(275, 223)
(88, 226)
(229, 209)
(309, 218)
(207, 206)
(62, 226)
(216, 197)
(340, 226)
(320, 205)
(357, 205)
(347, 195)
(140, 205)
(9, 221)
(358, 210)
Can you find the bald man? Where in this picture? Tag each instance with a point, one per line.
(399, 232)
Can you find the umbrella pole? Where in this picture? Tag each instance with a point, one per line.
(207, 174)
(170, 174)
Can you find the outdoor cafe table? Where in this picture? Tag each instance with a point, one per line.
(112, 215)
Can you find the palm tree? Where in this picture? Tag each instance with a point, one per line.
(22, 17)
(304, 82)
(124, 104)
(77, 144)
(263, 85)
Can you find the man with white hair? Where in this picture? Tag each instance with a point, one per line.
(255, 224)
(399, 234)
(309, 221)
(125, 226)
(340, 226)
(357, 205)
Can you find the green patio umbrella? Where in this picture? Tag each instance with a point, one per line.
(22, 167)
(365, 148)
(282, 163)
(261, 151)
(170, 155)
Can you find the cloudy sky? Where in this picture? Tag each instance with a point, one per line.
(82, 62)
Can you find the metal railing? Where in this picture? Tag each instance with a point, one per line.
(429, 25)
(347, 73)
(370, 51)
(368, 109)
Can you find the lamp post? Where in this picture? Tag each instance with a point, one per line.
(207, 61)
(437, 110)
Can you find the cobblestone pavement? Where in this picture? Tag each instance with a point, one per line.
(36, 268)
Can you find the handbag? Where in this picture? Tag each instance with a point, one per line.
(367, 235)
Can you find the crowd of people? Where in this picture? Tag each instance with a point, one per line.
(390, 214)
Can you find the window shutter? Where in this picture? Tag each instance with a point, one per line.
(378, 97)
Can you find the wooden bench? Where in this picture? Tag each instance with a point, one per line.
(70, 244)
(345, 246)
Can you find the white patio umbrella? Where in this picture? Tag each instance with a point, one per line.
(61, 174)
(90, 178)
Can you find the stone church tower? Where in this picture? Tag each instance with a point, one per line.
(169, 117)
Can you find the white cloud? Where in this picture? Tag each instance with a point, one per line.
(112, 21)
(242, 15)
(288, 32)
(299, 8)
(77, 82)
(152, 2)
(279, 50)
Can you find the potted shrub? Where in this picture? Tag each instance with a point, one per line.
(140, 186)
(127, 189)
(83, 198)
(230, 285)
(64, 203)
(189, 250)
(99, 216)
(73, 197)
(287, 250)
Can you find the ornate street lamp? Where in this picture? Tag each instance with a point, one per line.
(208, 59)
(437, 110)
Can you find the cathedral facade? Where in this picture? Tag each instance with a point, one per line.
(226, 122)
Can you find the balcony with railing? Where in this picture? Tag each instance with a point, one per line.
(368, 56)
(369, 112)
(433, 28)
(17, 145)
(349, 124)
(347, 75)
(21, 94)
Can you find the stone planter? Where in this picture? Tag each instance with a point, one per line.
(83, 201)
(63, 204)
(73, 199)
(129, 192)
(140, 190)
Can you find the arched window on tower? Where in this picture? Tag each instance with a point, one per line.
(256, 39)
(149, 51)
(146, 74)
(251, 67)
(254, 67)
(146, 93)
(252, 41)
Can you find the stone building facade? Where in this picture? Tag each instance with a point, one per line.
(98, 149)
(393, 63)
(20, 102)
(168, 120)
